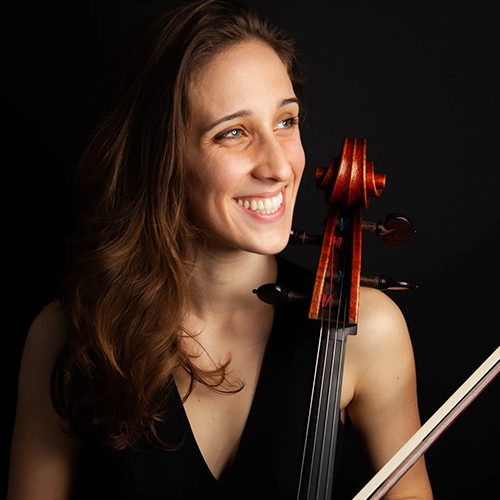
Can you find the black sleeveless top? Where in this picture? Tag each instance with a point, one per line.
(267, 463)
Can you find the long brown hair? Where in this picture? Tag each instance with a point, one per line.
(133, 253)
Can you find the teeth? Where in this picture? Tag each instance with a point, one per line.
(263, 206)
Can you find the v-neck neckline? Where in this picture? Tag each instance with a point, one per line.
(248, 424)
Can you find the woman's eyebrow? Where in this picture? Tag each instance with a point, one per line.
(290, 100)
(245, 113)
(226, 118)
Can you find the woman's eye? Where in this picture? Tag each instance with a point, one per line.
(230, 134)
(288, 123)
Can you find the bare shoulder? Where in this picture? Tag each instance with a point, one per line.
(44, 341)
(45, 338)
(381, 323)
(379, 310)
(43, 456)
(49, 328)
(382, 348)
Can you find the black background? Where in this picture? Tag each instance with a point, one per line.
(418, 80)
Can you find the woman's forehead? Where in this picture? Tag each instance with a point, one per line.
(246, 74)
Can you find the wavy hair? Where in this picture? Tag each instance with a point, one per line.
(134, 250)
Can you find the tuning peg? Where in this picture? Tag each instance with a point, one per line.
(275, 294)
(299, 237)
(380, 282)
(385, 283)
(303, 238)
(396, 230)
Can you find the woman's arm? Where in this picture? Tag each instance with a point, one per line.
(43, 458)
(384, 409)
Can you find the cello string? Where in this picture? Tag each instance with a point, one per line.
(308, 426)
(317, 389)
(335, 375)
(325, 367)
(331, 378)
(312, 464)
(327, 378)
(338, 391)
(310, 416)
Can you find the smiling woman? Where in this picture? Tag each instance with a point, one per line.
(159, 374)
(245, 167)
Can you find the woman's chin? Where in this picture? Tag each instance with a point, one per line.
(269, 247)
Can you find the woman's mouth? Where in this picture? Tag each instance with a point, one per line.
(262, 205)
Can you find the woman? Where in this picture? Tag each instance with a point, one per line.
(160, 374)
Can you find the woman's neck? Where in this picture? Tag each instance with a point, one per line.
(222, 284)
(224, 316)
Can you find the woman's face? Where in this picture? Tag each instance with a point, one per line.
(245, 157)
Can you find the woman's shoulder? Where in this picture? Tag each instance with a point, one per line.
(377, 308)
(51, 315)
(48, 331)
(40, 450)
(44, 341)
(382, 336)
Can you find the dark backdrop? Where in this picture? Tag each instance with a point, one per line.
(418, 80)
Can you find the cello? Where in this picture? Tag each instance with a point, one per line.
(348, 183)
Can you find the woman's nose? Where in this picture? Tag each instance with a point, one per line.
(272, 160)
